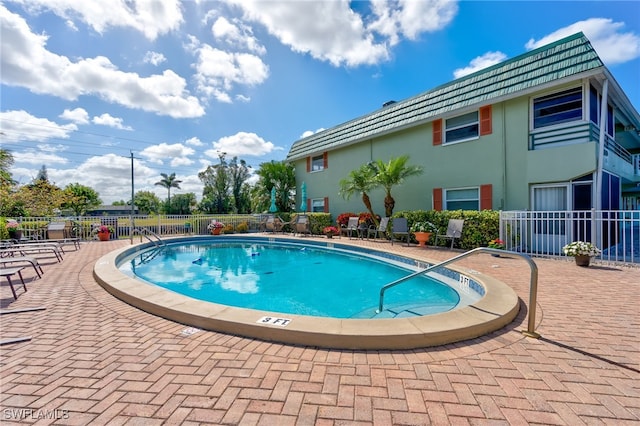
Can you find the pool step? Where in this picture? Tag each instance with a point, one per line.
(403, 311)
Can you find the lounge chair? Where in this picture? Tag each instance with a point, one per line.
(454, 230)
(8, 272)
(23, 259)
(381, 229)
(274, 224)
(400, 228)
(24, 249)
(302, 225)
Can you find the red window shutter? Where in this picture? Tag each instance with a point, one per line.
(437, 199)
(437, 132)
(325, 159)
(308, 164)
(326, 204)
(308, 204)
(486, 197)
(485, 120)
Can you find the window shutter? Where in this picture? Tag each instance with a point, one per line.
(326, 204)
(486, 196)
(437, 132)
(308, 204)
(325, 159)
(308, 164)
(437, 199)
(485, 120)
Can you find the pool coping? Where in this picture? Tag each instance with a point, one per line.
(498, 307)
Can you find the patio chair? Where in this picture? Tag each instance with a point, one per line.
(302, 225)
(454, 230)
(352, 226)
(400, 228)
(8, 272)
(381, 229)
(23, 259)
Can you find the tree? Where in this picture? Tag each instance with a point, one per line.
(279, 175)
(238, 172)
(392, 174)
(361, 181)
(80, 198)
(183, 203)
(6, 161)
(169, 181)
(40, 198)
(217, 184)
(42, 174)
(146, 202)
(8, 206)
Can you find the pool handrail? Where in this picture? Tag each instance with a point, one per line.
(533, 282)
(144, 232)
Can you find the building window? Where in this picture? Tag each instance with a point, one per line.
(317, 205)
(462, 199)
(462, 128)
(317, 163)
(561, 107)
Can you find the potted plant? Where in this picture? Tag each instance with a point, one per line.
(330, 231)
(497, 244)
(582, 251)
(215, 227)
(104, 232)
(422, 231)
(14, 229)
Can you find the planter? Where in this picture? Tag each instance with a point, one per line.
(15, 235)
(583, 260)
(103, 236)
(330, 234)
(216, 231)
(422, 238)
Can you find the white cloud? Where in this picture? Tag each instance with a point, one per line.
(22, 126)
(150, 17)
(36, 157)
(77, 115)
(107, 120)
(177, 153)
(411, 18)
(26, 62)
(607, 37)
(218, 71)
(481, 62)
(154, 58)
(194, 141)
(310, 132)
(332, 31)
(241, 144)
(236, 34)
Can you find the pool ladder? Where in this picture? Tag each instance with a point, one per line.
(533, 282)
(144, 232)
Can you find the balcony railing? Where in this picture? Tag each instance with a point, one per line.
(580, 133)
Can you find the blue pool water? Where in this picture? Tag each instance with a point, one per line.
(288, 278)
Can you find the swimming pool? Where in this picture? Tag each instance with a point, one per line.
(498, 307)
(290, 278)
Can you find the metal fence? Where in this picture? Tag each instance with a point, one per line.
(85, 227)
(544, 233)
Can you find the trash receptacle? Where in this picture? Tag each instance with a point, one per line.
(55, 231)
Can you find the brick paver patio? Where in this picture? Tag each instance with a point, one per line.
(93, 359)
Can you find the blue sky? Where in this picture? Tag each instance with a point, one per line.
(85, 83)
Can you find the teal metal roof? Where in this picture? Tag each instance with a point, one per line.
(564, 58)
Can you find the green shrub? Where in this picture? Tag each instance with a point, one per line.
(479, 228)
(243, 227)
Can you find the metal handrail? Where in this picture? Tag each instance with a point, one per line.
(144, 232)
(533, 282)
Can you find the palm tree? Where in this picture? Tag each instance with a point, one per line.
(361, 181)
(391, 174)
(169, 181)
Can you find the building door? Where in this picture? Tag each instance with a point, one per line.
(550, 227)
